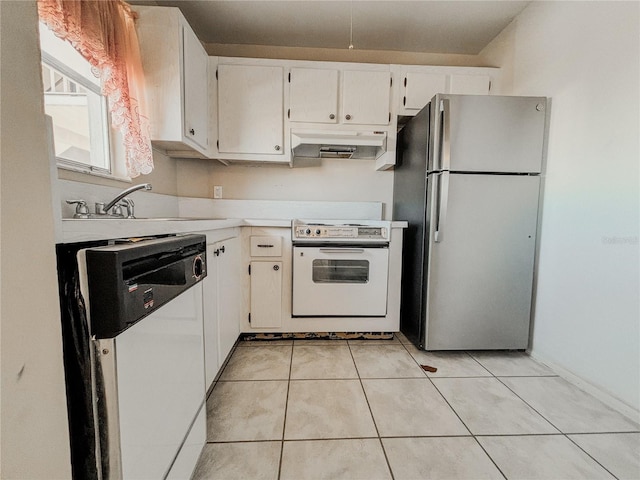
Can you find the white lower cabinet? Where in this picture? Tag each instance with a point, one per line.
(229, 294)
(222, 291)
(266, 294)
(210, 307)
(269, 279)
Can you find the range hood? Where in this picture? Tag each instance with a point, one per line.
(367, 145)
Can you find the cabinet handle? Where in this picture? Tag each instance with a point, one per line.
(265, 246)
(276, 267)
(192, 131)
(216, 252)
(277, 147)
(222, 249)
(348, 117)
(332, 116)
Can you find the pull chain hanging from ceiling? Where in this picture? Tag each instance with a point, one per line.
(351, 26)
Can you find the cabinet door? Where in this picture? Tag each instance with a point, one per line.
(419, 88)
(229, 295)
(266, 294)
(313, 95)
(470, 84)
(365, 97)
(250, 109)
(195, 89)
(210, 307)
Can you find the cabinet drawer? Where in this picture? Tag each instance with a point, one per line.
(266, 246)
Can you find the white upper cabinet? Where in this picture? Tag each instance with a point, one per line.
(366, 97)
(251, 110)
(418, 84)
(313, 95)
(419, 88)
(196, 80)
(176, 79)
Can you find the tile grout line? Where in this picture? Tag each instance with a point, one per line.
(215, 382)
(565, 435)
(379, 437)
(456, 414)
(527, 404)
(589, 455)
(518, 396)
(286, 407)
(375, 425)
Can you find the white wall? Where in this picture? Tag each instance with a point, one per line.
(34, 429)
(342, 55)
(163, 177)
(328, 180)
(585, 56)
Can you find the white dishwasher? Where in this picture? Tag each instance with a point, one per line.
(146, 348)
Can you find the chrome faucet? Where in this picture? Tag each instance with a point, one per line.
(102, 209)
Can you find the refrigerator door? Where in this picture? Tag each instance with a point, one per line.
(489, 133)
(480, 268)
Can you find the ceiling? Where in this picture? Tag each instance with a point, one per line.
(451, 27)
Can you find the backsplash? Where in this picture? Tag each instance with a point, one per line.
(278, 209)
(147, 204)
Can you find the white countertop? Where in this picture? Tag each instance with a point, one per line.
(85, 230)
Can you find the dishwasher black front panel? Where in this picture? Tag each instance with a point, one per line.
(128, 282)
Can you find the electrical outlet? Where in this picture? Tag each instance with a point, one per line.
(217, 191)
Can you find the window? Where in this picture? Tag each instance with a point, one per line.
(72, 97)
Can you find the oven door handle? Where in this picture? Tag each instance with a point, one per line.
(342, 250)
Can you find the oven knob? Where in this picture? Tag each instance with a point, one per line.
(308, 231)
(318, 232)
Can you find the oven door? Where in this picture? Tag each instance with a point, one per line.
(340, 281)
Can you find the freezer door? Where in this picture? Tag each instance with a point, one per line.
(480, 267)
(486, 133)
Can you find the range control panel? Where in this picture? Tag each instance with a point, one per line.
(325, 232)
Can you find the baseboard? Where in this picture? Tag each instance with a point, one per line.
(605, 397)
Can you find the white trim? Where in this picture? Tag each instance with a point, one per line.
(96, 173)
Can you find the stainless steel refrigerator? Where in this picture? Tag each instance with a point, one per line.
(467, 180)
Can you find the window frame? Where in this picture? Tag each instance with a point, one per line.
(107, 137)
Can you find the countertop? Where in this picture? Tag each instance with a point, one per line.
(85, 230)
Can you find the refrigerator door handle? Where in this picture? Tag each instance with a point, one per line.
(434, 162)
(441, 205)
(445, 162)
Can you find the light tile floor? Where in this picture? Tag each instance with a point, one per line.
(353, 409)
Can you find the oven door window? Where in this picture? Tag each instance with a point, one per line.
(340, 271)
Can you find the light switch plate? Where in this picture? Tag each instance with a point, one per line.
(217, 191)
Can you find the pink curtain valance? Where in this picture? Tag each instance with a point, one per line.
(103, 31)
